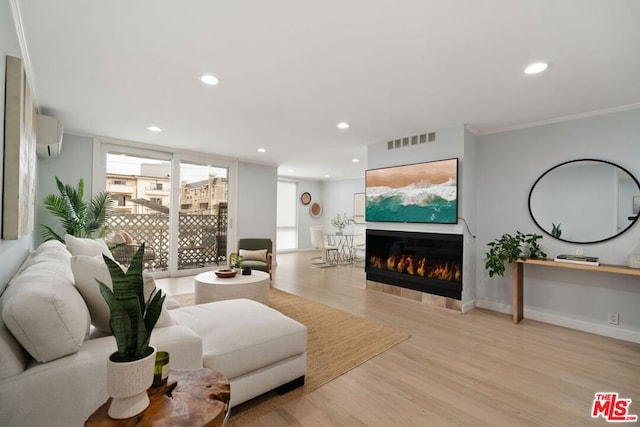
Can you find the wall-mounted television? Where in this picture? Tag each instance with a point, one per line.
(421, 192)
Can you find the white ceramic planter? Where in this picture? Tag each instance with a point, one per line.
(127, 384)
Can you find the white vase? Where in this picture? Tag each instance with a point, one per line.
(127, 384)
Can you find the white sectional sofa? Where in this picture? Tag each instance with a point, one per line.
(53, 370)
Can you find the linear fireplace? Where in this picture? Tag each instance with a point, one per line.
(425, 262)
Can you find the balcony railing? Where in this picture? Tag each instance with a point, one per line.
(202, 239)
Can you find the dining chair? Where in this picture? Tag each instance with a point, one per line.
(318, 242)
(359, 247)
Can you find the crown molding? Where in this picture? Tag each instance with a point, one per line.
(563, 119)
(472, 129)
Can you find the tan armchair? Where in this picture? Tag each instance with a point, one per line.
(256, 254)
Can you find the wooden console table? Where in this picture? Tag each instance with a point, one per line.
(518, 278)
(198, 397)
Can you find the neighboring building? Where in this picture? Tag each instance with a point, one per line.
(145, 194)
(203, 196)
(125, 190)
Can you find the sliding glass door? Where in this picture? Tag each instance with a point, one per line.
(202, 216)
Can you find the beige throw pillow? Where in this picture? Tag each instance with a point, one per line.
(86, 270)
(258, 255)
(88, 247)
(45, 312)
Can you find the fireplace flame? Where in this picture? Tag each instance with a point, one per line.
(442, 270)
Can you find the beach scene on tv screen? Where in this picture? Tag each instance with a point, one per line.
(422, 192)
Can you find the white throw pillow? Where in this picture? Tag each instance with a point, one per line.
(258, 255)
(86, 270)
(45, 312)
(88, 247)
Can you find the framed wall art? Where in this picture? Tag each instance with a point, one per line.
(421, 192)
(18, 207)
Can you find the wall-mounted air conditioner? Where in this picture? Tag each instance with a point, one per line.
(48, 136)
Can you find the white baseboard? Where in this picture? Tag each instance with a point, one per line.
(493, 306)
(290, 251)
(468, 306)
(567, 322)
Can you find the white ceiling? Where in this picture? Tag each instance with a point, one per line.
(290, 70)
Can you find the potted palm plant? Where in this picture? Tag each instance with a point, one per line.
(77, 216)
(130, 368)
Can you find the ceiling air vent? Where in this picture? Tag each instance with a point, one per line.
(411, 140)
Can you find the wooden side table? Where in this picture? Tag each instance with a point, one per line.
(198, 397)
(518, 277)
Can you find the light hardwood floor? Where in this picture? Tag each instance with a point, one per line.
(476, 369)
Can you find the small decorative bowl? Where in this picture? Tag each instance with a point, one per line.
(225, 273)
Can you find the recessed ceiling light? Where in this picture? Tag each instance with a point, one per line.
(154, 129)
(536, 67)
(326, 176)
(209, 79)
(343, 125)
(355, 160)
(262, 150)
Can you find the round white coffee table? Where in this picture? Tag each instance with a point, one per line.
(208, 287)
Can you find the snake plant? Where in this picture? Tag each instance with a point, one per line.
(132, 318)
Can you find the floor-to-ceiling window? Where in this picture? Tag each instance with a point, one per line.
(287, 218)
(177, 205)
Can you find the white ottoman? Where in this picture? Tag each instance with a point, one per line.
(256, 347)
(208, 287)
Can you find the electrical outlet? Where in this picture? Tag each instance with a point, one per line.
(614, 319)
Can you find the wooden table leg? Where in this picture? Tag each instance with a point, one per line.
(518, 297)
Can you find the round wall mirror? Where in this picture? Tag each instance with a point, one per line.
(585, 201)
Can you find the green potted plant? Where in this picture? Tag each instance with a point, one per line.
(341, 221)
(77, 216)
(130, 368)
(510, 248)
(236, 260)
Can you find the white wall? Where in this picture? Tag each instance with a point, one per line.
(467, 195)
(508, 164)
(340, 200)
(305, 220)
(12, 252)
(257, 202)
(73, 163)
